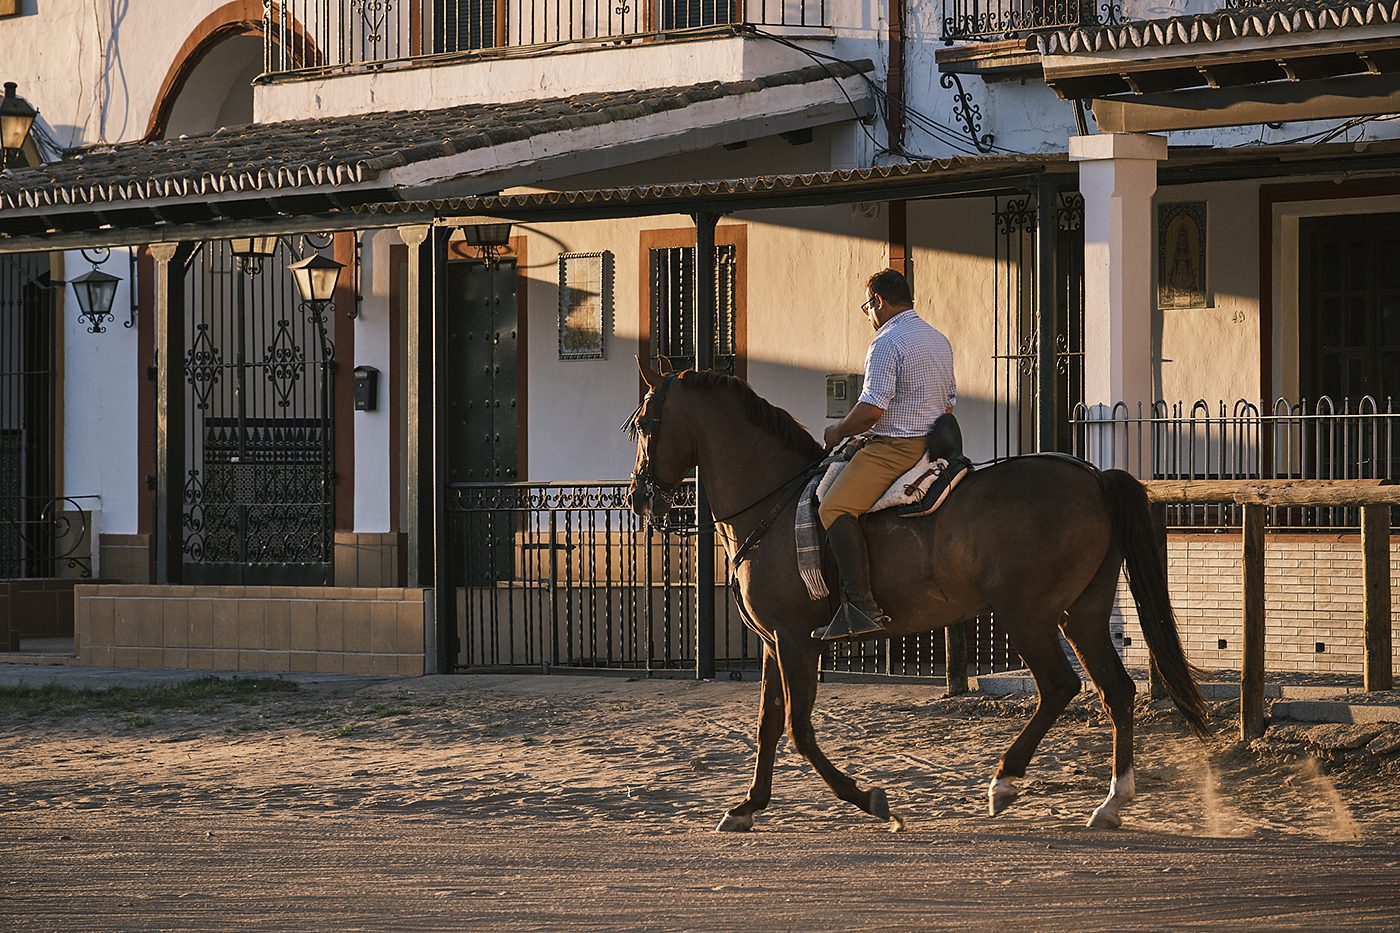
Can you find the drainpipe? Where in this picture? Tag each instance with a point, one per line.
(894, 80)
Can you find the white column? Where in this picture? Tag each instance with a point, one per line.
(1117, 177)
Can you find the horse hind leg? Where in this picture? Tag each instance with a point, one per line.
(770, 728)
(1088, 631)
(798, 658)
(1038, 643)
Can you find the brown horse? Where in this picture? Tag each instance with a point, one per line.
(1038, 540)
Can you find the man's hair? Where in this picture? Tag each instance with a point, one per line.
(891, 286)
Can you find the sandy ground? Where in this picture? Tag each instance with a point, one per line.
(497, 802)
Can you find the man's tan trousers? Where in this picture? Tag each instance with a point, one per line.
(864, 480)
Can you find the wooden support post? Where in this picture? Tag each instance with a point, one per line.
(171, 331)
(955, 640)
(1047, 231)
(1155, 687)
(1252, 665)
(1375, 556)
(706, 276)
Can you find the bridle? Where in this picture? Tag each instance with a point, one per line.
(648, 427)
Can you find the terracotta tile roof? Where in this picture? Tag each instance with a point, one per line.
(1272, 20)
(891, 176)
(345, 151)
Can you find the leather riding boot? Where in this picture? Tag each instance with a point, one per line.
(859, 615)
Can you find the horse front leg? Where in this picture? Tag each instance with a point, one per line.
(771, 711)
(798, 657)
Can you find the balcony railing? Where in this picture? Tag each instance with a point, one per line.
(991, 20)
(344, 35)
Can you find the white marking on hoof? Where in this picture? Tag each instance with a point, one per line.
(1120, 790)
(733, 823)
(898, 823)
(1000, 794)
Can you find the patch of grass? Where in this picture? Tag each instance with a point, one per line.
(384, 710)
(346, 729)
(137, 720)
(203, 694)
(242, 728)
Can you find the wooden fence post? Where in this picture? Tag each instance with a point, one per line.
(1375, 556)
(955, 640)
(1155, 688)
(1252, 664)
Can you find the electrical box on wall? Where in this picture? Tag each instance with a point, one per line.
(842, 391)
(366, 388)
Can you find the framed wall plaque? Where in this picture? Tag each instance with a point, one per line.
(585, 305)
(1181, 255)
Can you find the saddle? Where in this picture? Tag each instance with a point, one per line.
(920, 491)
(922, 488)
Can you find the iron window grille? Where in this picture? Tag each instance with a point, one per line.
(673, 308)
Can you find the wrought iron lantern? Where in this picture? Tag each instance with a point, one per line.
(252, 250)
(16, 119)
(316, 277)
(96, 291)
(490, 238)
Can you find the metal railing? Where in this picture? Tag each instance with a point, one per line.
(992, 20)
(989, 20)
(1310, 439)
(45, 538)
(338, 35)
(564, 576)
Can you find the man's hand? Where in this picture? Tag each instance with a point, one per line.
(861, 419)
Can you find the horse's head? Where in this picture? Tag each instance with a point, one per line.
(662, 459)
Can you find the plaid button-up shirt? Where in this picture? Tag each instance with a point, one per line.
(909, 374)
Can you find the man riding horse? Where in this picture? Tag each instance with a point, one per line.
(909, 384)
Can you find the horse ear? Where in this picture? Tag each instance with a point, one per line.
(650, 376)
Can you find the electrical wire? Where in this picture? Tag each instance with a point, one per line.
(948, 135)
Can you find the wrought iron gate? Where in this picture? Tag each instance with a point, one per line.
(259, 485)
(1020, 323)
(28, 535)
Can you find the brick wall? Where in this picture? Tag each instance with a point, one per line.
(34, 609)
(1312, 594)
(251, 628)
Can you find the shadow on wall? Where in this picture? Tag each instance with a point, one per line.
(576, 406)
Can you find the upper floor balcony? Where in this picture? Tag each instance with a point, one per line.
(997, 20)
(310, 38)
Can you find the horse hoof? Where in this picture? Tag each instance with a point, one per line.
(898, 823)
(1105, 818)
(1000, 795)
(998, 802)
(733, 823)
(879, 805)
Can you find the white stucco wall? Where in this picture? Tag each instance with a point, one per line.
(101, 380)
(373, 492)
(94, 69)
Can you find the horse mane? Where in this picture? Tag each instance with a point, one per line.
(764, 414)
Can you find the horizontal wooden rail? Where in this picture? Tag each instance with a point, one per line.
(1274, 492)
(1375, 498)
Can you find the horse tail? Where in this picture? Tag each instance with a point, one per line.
(1132, 532)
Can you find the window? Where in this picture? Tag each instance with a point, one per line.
(673, 308)
(464, 25)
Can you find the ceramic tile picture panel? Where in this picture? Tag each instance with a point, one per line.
(585, 305)
(1181, 255)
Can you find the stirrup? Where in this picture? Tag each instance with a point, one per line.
(849, 622)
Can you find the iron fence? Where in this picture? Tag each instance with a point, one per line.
(989, 20)
(1006, 19)
(1317, 439)
(563, 575)
(344, 34)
